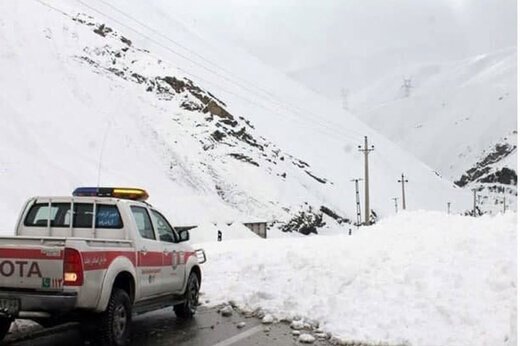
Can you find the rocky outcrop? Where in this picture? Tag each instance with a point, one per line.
(484, 172)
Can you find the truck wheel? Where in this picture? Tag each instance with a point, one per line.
(189, 307)
(116, 320)
(5, 324)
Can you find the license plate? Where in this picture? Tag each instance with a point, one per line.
(10, 306)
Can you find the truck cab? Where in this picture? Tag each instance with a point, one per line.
(97, 256)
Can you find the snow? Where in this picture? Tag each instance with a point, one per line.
(67, 123)
(306, 338)
(419, 277)
(422, 278)
(21, 326)
(226, 311)
(297, 324)
(268, 319)
(455, 111)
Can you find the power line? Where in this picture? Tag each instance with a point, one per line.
(52, 8)
(285, 105)
(155, 31)
(157, 42)
(176, 53)
(237, 79)
(298, 114)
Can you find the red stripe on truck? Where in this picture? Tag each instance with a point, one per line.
(150, 259)
(37, 254)
(96, 260)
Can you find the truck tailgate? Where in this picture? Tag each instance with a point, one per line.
(31, 263)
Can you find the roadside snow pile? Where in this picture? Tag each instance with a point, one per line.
(209, 232)
(420, 278)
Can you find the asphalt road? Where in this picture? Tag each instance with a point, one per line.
(161, 327)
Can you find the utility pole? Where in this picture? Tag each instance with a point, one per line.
(504, 202)
(366, 150)
(407, 86)
(358, 204)
(402, 181)
(449, 204)
(395, 203)
(474, 202)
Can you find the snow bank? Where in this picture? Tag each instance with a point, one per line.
(422, 278)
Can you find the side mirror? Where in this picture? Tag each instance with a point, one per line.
(184, 235)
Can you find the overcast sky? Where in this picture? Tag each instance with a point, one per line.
(297, 34)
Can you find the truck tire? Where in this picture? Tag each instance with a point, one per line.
(191, 295)
(116, 320)
(5, 324)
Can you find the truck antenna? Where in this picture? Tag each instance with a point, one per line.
(105, 136)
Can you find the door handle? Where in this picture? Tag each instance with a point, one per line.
(143, 251)
(166, 251)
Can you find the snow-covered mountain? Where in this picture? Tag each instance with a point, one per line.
(459, 118)
(92, 95)
(453, 111)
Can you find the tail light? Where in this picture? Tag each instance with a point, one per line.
(72, 268)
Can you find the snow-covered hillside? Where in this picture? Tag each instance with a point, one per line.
(454, 111)
(93, 96)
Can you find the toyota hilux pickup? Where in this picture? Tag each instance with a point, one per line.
(96, 257)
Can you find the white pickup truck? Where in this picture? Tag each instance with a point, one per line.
(96, 257)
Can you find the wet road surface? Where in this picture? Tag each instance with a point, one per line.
(161, 327)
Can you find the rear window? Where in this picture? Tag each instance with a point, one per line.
(57, 213)
(107, 215)
(83, 214)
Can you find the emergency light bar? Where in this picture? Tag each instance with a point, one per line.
(115, 192)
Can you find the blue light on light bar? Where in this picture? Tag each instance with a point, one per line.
(115, 192)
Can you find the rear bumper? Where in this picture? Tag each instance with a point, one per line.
(42, 302)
